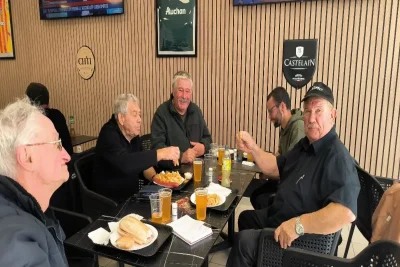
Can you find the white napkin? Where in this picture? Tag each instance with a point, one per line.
(247, 163)
(190, 230)
(214, 188)
(99, 236)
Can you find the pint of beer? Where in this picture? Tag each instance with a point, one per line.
(198, 169)
(250, 157)
(221, 155)
(201, 203)
(156, 208)
(165, 196)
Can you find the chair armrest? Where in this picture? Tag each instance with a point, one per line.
(95, 205)
(71, 222)
(301, 257)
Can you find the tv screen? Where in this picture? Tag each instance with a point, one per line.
(56, 9)
(255, 2)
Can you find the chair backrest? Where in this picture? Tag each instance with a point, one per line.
(380, 253)
(386, 183)
(271, 254)
(371, 193)
(84, 170)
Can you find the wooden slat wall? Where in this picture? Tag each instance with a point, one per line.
(239, 62)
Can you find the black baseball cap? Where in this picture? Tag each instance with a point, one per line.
(319, 89)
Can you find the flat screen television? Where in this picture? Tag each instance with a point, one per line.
(256, 2)
(56, 9)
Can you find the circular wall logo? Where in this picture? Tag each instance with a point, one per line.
(85, 62)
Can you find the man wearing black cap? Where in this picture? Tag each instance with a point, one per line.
(318, 187)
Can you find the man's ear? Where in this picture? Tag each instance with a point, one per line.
(24, 159)
(333, 113)
(120, 119)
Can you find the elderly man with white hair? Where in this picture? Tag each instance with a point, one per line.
(179, 122)
(120, 159)
(33, 164)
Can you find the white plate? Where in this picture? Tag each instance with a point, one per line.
(223, 199)
(114, 237)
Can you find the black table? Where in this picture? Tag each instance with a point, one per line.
(239, 166)
(174, 252)
(81, 139)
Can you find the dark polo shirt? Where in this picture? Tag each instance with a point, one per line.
(312, 176)
(119, 163)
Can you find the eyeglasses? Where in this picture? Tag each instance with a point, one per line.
(58, 143)
(270, 110)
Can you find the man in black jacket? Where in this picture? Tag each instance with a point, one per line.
(180, 122)
(33, 164)
(119, 157)
(39, 95)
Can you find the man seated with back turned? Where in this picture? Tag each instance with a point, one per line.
(179, 122)
(119, 159)
(39, 95)
(318, 187)
(33, 164)
(292, 130)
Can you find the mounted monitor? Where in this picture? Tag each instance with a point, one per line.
(56, 9)
(256, 2)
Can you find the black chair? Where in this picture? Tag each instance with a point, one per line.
(94, 205)
(386, 183)
(371, 193)
(71, 223)
(380, 253)
(146, 145)
(270, 253)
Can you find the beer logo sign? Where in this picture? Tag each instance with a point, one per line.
(299, 61)
(85, 62)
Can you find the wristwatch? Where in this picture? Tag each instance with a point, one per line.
(299, 227)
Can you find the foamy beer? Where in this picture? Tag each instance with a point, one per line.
(156, 208)
(197, 169)
(165, 196)
(201, 203)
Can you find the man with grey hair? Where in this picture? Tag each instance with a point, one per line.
(120, 160)
(180, 122)
(33, 164)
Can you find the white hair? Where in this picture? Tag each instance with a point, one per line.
(18, 126)
(181, 75)
(121, 103)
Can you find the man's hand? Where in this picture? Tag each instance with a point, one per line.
(189, 155)
(199, 148)
(245, 142)
(286, 233)
(168, 153)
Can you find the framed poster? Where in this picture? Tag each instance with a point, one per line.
(176, 28)
(6, 33)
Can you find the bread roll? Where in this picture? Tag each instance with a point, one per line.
(125, 242)
(136, 229)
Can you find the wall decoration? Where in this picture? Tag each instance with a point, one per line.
(176, 27)
(6, 33)
(85, 62)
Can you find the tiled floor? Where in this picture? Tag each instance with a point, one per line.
(218, 259)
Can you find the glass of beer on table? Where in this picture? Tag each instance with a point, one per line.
(250, 157)
(201, 203)
(221, 155)
(197, 169)
(165, 195)
(156, 208)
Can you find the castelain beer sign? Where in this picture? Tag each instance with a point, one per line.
(299, 61)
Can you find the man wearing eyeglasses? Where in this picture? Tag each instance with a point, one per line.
(292, 130)
(33, 164)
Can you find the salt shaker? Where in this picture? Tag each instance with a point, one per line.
(174, 209)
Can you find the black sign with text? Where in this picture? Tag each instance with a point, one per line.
(299, 61)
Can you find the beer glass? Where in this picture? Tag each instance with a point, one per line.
(221, 155)
(201, 203)
(156, 208)
(165, 195)
(197, 169)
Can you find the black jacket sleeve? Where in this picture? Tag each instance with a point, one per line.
(110, 148)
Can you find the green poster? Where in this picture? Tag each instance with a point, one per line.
(176, 27)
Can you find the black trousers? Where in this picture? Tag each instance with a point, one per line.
(245, 249)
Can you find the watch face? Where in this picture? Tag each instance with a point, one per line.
(299, 229)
